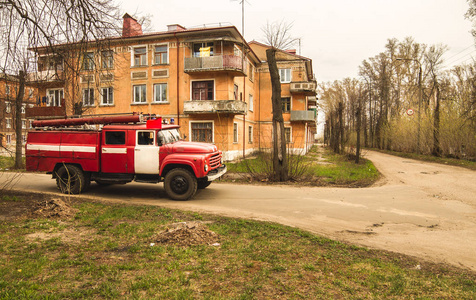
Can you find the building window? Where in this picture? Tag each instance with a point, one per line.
(88, 97)
(203, 49)
(30, 122)
(235, 132)
(55, 97)
(250, 99)
(250, 134)
(140, 56)
(140, 92)
(23, 138)
(88, 61)
(9, 138)
(23, 124)
(107, 59)
(287, 134)
(30, 95)
(251, 71)
(107, 96)
(235, 92)
(202, 132)
(161, 55)
(285, 75)
(7, 89)
(286, 104)
(23, 109)
(160, 92)
(203, 90)
(8, 107)
(8, 123)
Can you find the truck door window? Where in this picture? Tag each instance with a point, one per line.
(115, 138)
(145, 138)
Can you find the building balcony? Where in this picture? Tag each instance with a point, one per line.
(45, 112)
(215, 63)
(303, 116)
(214, 106)
(307, 87)
(47, 76)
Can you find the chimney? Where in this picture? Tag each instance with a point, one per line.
(175, 27)
(291, 51)
(130, 27)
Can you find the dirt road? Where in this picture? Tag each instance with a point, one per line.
(421, 209)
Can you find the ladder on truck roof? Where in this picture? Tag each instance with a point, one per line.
(152, 120)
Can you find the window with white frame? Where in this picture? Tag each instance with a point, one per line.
(140, 56)
(285, 75)
(30, 124)
(23, 124)
(250, 134)
(30, 94)
(201, 132)
(7, 89)
(203, 90)
(88, 61)
(235, 132)
(287, 134)
(54, 97)
(107, 59)
(88, 97)
(8, 107)
(8, 123)
(250, 99)
(161, 54)
(23, 138)
(107, 96)
(9, 138)
(23, 108)
(235, 92)
(140, 93)
(286, 104)
(160, 92)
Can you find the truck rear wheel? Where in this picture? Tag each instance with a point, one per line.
(71, 179)
(180, 184)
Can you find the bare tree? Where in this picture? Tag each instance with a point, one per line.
(34, 24)
(277, 35)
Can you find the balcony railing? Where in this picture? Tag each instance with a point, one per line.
(303, 116)
(48, 75)
(45, 111)
(214, 106)
(214, 63)
(303, 87)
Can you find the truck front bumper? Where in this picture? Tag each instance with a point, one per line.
(220, 171)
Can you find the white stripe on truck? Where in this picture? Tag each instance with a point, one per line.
(85, 149)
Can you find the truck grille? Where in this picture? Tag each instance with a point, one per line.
(215, 160)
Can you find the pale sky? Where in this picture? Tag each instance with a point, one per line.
(336, 34)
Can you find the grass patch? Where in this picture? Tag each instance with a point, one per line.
(6, 162)
(435, 159)
(105, 252)
(318, 167)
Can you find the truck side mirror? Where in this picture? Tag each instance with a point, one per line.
(160, 140)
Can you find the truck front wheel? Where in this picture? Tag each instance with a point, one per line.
(71, 179)
(180, 184)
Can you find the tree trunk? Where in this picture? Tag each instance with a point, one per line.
(280, 163)
(18, 123)
(436, 124)
(357, 150)
(341, 127)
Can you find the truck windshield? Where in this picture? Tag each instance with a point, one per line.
(168, 136)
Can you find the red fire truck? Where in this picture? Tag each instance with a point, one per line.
(118, 150)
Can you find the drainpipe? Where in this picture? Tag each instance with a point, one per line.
(259, 111)
(244, 98)
(178, 78)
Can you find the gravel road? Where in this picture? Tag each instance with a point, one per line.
(420, 209)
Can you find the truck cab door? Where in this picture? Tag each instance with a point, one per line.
(146, 153)
(114, 157)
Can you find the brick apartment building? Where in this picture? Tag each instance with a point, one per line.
(8, 93)
(210, 81)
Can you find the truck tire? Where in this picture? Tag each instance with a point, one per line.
(201, 184)
(71, 179)
(180, 184)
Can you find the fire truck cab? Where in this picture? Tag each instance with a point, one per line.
(118, 150)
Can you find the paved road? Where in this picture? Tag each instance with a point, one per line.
(420, 209)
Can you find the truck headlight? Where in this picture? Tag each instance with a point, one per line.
(206, 167)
